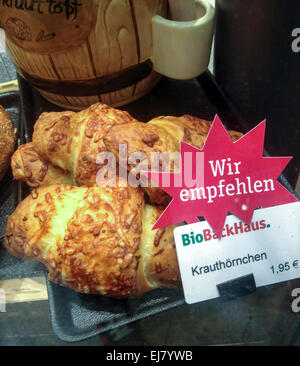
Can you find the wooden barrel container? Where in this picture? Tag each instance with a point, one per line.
(80, 52)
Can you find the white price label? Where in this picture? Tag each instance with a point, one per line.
(269, 248)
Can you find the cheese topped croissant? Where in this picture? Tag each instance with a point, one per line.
(72, 141)
(163, 135)
(95, 240)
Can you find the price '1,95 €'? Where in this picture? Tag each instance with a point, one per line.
(286, 266)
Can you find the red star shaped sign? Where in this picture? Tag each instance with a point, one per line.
(224, 177)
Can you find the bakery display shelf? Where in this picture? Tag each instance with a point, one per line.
(75, 316)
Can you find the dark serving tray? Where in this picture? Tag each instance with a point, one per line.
(75, 316)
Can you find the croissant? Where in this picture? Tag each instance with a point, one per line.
(72, 141)
(163, 135)
(27, 166)
(95, 240)
(7, 141)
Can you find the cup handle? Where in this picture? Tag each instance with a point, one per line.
(181, 49)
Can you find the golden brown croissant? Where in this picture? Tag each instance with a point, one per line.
(7, 140)
(162, 135)
(95, 240)
(27, 166)
(72, 141)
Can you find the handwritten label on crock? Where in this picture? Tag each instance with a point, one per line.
(47, 26)
(69, 8)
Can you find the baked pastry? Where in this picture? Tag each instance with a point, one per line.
(98, 240)
(161, 135)
(27, 166)
(95, 240)
(7, 141)
(72, 141)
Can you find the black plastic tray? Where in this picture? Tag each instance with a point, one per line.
(77, 317)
